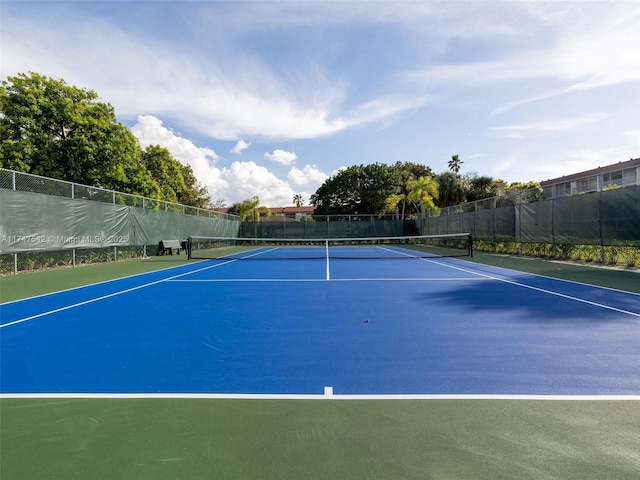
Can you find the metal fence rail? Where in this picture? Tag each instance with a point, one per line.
(605, 218)
(329, 226)
(26, 182)
(46, 223)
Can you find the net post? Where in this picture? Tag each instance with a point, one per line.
(189, 243)
(470, 245)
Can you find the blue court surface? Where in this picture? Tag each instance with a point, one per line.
(409, 326)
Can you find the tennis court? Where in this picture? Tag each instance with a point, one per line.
(318, 348)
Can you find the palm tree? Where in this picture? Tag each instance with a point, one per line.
(405, 177)
(297, 200)
(455, 163)
(250, 210)
(394, 200)
(422, 193)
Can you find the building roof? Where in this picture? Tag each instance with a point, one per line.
(291, 210)
(308, 210)
(634, 162)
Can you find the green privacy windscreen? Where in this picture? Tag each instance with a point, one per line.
(609, 217)
(39, 222)
(328, 226)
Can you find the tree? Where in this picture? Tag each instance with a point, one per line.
(249, 210)
(451, 190)
(406, 172)
(165, 170)
(50, 128)
(521, 192)
(218, 203)
(481, 187)
(359, 189)
(418, 194)
(195, 194)
(177, 181)
(410, 170)
(129, 175)
(455, 163)
(422, 193)
(397, 199)
(297, 200)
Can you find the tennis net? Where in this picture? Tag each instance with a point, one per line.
(406, 247)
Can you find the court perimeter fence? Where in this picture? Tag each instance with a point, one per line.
(51, 223)
(47, 223)
(329, 226)
(600, 226)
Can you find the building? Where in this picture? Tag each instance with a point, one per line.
(622, 174)
(279, 214)
(290, 214)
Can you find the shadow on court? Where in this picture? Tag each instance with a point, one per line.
(537, 299)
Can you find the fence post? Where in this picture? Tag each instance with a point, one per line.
(519, 224)
(553, 224)
(603, 258)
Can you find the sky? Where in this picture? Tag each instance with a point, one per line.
(271, 98)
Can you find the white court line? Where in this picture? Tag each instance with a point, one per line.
(160, 270)
(114, 294)
(476, 274)
(549, 292)
(531, 287)
(120, 292)
(326, 252)
(553, 278)
(294, 280)
(327, 395)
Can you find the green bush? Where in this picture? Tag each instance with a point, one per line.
(33, 261)
(613, 255)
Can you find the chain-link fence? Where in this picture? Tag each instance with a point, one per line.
(25, 182)
(607, 220)
(329, 226)
(47, 223)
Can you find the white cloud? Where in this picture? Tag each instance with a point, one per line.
(225, 95)
(520, 131)
(249, 179)
(150, 131)
(309, 175)
(239, 181)
(240, 147)
(281, 156)
(586, 45)
(538, 62)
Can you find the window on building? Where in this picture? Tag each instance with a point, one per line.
(563, 189)
(588, 185)
(629, 177)
(613, 178)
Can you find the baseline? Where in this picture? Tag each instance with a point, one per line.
(320, 396)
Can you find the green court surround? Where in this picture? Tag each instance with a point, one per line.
(316, 439)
